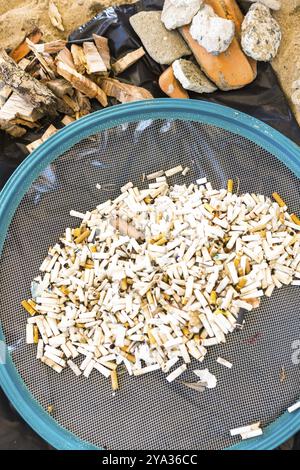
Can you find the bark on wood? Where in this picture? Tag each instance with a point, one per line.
(78, 58)
(22, 50)
(124, 92)
(81, 83)
(94, 61)
(5, 92)
(34, 92)
(103, 49)
(83, 103)
(128, 60)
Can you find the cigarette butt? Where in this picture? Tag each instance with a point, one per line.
(148, 200)
(29, 309)
(242, 282)
(236, 261)
(123, 284)
(32, 303)
(151, 337)
(149, 298)
(82, 237)
(184, 300)
(230, 186)
(248, 266)
(76, 232)
(89, 265)
(279, 200)
(35, 334)
(213, 297)
(93, 249)
(209, 208)
(64, 290)
(114, 380)
(161, 241)
(295, 219)
(80, 325)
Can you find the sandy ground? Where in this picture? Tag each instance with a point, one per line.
(18, 17)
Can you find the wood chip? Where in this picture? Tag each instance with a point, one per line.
(55, 16)
(46, 61)
(67, 120)
(128, 60)
(103, 49)
(94, 61)
(51, 47)
(22, 49)
(78, 58)
(66, 57)
(51, 130)
(124, 92)
(81, 83)
(60, 87)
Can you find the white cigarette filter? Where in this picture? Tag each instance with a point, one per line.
(152, 278)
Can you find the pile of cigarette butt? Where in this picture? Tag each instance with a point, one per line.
(153, 278)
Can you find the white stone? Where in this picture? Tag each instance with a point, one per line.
(191, 77)
(175, 16)
(212, 32)
(273, 4)
(261, 35)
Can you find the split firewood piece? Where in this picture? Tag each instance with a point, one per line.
(45, 60)
(48, 133)
(81, 83)
(16, 106)
(23, 122)
(67, 120)
(22, 49)
(51, 47)
(66, 57)
(12, 129)
(171, 86)
(94, 61)
(55, 16)
(124, 92)
(33, 92)
(63, 107)
(78, 58)
(72, 103)
(60, 87)
(83, 103)
(5, 92)
(103, 49)
(128, 60)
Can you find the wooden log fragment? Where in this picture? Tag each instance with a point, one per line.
(81, 83)
(78, 58)
(33, 92)
(60, 87)
(12, 129)
(102, 45)
(16, 106)
(124, 92)
(128, 60)
(51, 47)
(22, 49)
(65, 56)
(67, 120)
(94, 61)
(45, 60)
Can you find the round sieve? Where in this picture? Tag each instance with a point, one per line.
(112, 147)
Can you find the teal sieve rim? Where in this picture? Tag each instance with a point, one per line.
(192, 110)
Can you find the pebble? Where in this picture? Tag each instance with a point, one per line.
(175, 16)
